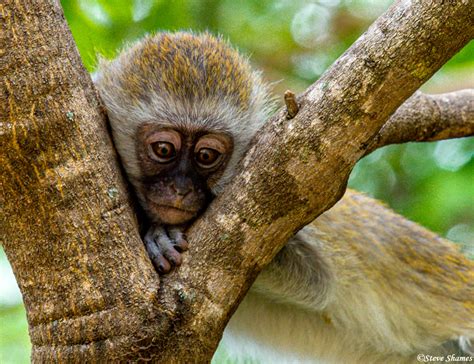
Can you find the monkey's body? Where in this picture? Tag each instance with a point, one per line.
(352, 287)
(357, 286)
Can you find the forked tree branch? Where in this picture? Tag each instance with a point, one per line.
(298, 168)
(427, 118)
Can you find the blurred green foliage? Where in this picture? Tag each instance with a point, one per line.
(293, 42)
(14, 340)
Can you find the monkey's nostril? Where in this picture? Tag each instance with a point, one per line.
(181, 188)
(181, 191)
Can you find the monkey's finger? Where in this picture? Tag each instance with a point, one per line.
(173, 256)
(162, 265)
(181, 245)
(179, 239)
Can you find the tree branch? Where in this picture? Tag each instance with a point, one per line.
(299, 167)
(428, 118)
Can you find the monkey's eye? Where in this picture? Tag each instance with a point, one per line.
(207, 157)
(164, 151)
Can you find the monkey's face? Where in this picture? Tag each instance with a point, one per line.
(179, 168)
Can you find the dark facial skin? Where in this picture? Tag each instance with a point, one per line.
(178, 168)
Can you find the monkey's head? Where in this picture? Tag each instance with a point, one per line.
(183, 108)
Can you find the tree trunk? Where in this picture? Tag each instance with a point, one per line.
(90, 292)
(67, 224)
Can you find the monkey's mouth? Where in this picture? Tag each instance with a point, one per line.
(173, 215)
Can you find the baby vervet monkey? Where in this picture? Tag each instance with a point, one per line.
(358, 285)
(183, 109)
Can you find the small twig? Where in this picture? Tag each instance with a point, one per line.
(292, 107)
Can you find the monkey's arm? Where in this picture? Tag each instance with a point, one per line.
(298, 275)
(377, 276)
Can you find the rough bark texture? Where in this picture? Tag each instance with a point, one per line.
(427, 118)
(90, 291)
(66, 223)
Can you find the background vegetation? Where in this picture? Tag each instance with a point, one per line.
(292, 42)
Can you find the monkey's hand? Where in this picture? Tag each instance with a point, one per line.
(164, 246)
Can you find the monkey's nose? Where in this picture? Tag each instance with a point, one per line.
(181, 190)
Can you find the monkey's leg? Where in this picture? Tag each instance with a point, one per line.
(165, 247)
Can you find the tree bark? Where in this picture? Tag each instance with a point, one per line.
(66, 224)
(90, 291)
(428, 118)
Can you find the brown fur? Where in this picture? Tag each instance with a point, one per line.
(187, 67)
